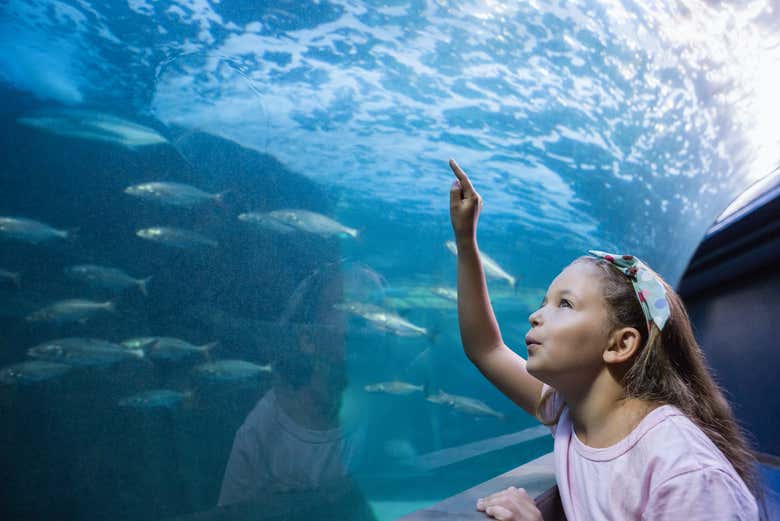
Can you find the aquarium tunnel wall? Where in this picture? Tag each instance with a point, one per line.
(227, 287)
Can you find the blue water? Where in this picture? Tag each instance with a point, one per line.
(618, 126)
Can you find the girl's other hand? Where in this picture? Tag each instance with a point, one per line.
(465, 204)
(512, 504)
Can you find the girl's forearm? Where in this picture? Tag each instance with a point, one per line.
(479, 330)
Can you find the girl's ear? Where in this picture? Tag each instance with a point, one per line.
(623, 344)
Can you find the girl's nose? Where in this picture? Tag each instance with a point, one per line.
(534, 317)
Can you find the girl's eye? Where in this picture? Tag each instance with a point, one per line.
(562, 301)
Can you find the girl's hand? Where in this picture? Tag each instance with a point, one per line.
(512, 504)
(465, 204)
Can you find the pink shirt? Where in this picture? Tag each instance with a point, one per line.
(665, 469)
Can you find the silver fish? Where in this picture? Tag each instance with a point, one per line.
(71, 310)
(12, 277)
(176, 237)
(445, 293)
(464, 404)
(174, 194)
(106, 277)
(383, 319)
(32, 372)
(231, 370)
(155, 398)
(28, 230)
(311, 222)
(492, 269)
(139, 342)
(263, 220)
(92, 125)
(174, 349)
(83, 352)
(394, 387)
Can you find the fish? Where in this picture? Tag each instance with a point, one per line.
(32, 371)
(383, 319)
(176, 237)
(106, 277)
(139, 342)
(230, 370)
(311, 222)
(393, 387)
(464, 404)
(445, 293)
(492, 269)
(31, 231)
(94, 126)
(173, 194)
(263, 220)
(174, 349)
(71, 310)
(155, 398)
(12, 277)
(83, 352)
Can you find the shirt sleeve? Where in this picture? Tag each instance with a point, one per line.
(703, 494)
(551, 407)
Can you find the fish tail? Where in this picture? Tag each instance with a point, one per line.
(220, 197)
(423, 355)
(70, 234)
(142, 285)
(111, 306)
(433, 334)
(206, 349)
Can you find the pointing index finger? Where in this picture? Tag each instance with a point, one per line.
(468, 189)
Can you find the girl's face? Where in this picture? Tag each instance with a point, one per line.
(571, 328)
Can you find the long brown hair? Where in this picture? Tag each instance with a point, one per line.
(670, 368)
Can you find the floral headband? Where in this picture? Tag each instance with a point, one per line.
(649, 290)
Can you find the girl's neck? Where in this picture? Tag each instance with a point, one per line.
(603, 415)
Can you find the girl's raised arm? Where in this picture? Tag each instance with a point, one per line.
(479, 330)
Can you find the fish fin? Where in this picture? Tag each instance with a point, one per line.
(142, 285)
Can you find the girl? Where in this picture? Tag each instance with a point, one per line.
(641, 429)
